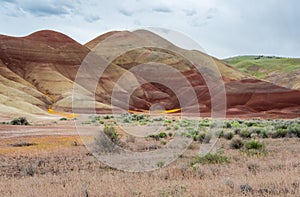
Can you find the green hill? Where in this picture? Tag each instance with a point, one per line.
(278, 70)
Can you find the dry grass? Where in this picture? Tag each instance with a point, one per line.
(72, 171)
(41, 144)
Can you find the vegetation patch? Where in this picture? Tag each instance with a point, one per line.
(210, 158)
(19, 121)
(22, 144)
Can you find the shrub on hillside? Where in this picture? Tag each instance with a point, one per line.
(19, 121)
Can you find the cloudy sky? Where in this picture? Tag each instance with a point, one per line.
(223, 28)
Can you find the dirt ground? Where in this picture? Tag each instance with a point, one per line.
(56, 163)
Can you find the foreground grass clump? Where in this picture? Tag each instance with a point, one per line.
(236, 143)
(210, 158)
(294, 129)
(111, 133)
(22, 144)
(254, 144)
(19, 121)
(254, 147)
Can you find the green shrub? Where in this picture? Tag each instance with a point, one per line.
(168, 128)
(126, 120)
(200, 137)
(158, 119)
(210, 158)
(294, 129)
(228, 135)
(245, 133)
(154, 136)
(279, 133)
(19, 121)
(227, 125)
(254, 144)
(160, 164)
(163, 142)
(106, 117)
(235, 124)
(264, 134)
(162, 135)
(111, 133)
(204, 123)
(237, 131)
(22, 144)
(207, 138)
(256, 130)
(250, 124)
(62, 119)
(220, 133)
(176, 127)
(236, 143)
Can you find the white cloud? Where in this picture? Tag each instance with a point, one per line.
(223, 28)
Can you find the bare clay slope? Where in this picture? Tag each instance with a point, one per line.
(38, 73)
(245, 94)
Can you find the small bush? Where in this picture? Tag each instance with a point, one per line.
(162, 135)
(250, 124)
(256, 130)
(294, 129)
(210, 158)
(107, 117)
(176, 127)
(236, 143)
(163, 142)
(245, 133)
(28, 171)
(62, 119)
(264, 134)
(207, 138)
(220, 133)
(111, 132)
(154, 136)
(246, 188)
(254, 144)
(227, 125)
(228, 135)
(22, 144)
(237, 131)
(200, 137)
(279, 133)
(160, 164)
(19, 121)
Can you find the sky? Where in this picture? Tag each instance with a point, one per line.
(223, 28)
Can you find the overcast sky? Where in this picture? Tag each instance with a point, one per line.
(223, 28)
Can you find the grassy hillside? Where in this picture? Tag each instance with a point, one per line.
(281, 71)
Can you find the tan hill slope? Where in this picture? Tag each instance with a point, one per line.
(38, 72)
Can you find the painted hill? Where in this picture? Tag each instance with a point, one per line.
(281, 71)
(38, 73)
